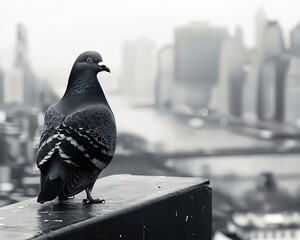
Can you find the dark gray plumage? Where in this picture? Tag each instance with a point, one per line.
(79, 135)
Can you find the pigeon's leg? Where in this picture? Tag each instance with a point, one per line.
(89, 198)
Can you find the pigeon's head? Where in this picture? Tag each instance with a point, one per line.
(90, 61)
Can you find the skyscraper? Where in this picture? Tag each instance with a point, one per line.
(295, 41)
(21, 50)
(271, 88)
(165, 77)
(13, 86)
(197, 53)
(271, 78)
(138, 71)
(30, 87)
(292, 92)
(257, 57)
(273, 44)
(237, 78)
(292, 81)
(260, 31)
(21, 84)
(1, 88)
(233, 56)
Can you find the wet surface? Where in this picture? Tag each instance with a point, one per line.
(29, 219)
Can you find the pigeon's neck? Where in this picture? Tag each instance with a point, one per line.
(85, 84)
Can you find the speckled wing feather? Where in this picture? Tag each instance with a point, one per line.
(85, 138)
(49, 137)
(88, 137)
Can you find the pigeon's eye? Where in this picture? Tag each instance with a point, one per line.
(89, 60)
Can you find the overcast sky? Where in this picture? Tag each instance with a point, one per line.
(59, 30)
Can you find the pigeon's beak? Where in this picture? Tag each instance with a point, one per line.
(103, 68)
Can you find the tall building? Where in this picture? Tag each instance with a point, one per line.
(273, 44)
(271, 88)
(292, 81)
(292, 93)
(14, 82)
(165, 78)
(138, 71)
(21, 50)
(257, 57)
(250, 88)
(233, 56)
(21, 85)
(30, 84)
(1, 88)
(260, 31)
(197, 53)
(271, 78)
(295, 41)
(237, 79)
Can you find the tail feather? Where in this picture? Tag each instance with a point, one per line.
(77, 181)
(53, 175)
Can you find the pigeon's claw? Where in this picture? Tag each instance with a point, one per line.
(89, 199)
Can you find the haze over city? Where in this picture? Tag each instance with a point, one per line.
(59, 30)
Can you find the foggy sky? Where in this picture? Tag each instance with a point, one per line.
(59, 30)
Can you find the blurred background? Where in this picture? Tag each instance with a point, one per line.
(199, 88)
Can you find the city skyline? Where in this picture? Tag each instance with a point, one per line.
(195, 97)
(106, 25)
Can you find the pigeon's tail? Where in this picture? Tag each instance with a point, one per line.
(53, 176)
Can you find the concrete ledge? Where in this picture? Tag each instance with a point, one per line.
(137, 207)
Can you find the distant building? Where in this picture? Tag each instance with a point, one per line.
(271, 78)
(273, 44)
(165, 78)
(30, 84)
(138, 71)
(260, 35)
(250, 88)
(271, 89)
(197, 54)
(257, 56)
(236, 84)
(14, 82)
(231, 77)
(292, 93)
(1, 88)
(264, 99)
(292, 81)
(295, 41)
(21, 85)
(21, 50)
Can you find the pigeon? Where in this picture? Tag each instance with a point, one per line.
(79, 136)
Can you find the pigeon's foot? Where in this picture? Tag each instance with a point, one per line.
(91, 200)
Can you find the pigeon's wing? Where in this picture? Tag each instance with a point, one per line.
(49, 137)
(88, 140)
(88, 137)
